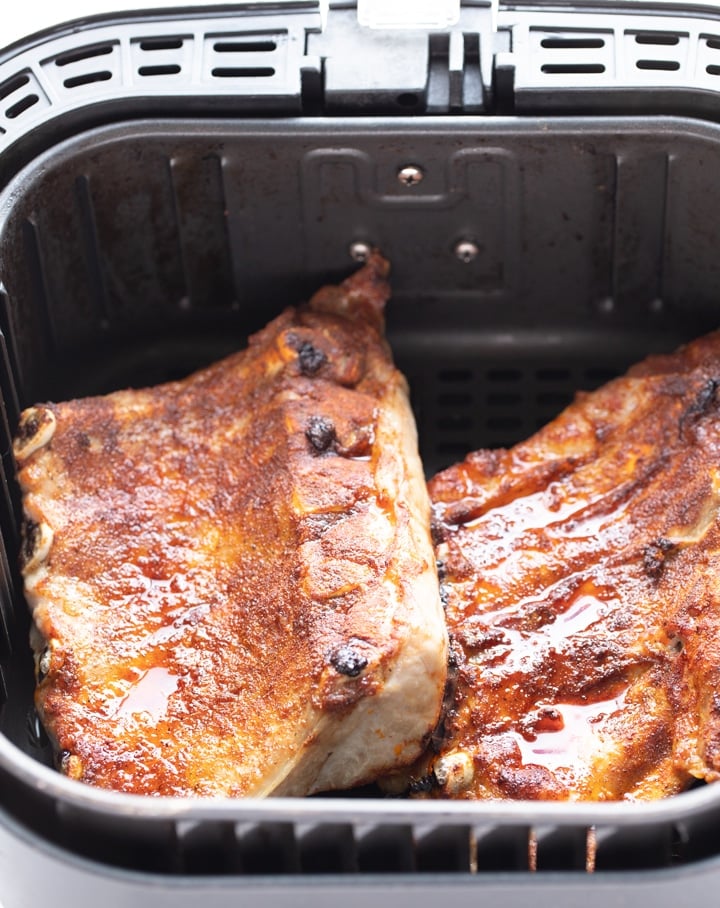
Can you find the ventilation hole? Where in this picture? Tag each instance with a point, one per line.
(408, 99)
(84, 53)
(161, 44)
(713, 43)
(12, 85)
(665, 65)
(454, 423)
(503, 423)
(169, 69)
(501, 399)
(453, 448)
(599, 375)
(554, 399)
(242, 72)
(559, 43)
(563, 68)
(244, 47)
(553, 374)
(87, 79)
(655, 38)
(455, 375)
(21, 106)
(454, 400)
(502, 375)
(713, 70)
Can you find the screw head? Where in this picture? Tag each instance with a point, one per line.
(360, 251)
(410, 175)
(466, 251)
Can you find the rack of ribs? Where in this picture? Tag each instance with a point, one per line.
(581, 574)
(231, 577)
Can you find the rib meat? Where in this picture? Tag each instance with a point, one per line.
(581, 571)
(231, 577)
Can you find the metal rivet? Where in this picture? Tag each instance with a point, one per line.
(466, 251)
(410, 175)
(360, 251)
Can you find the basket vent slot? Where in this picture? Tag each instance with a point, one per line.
(243, 72)
(157, 44)
(255, 55)
(660, 65)
(245, 47)
(21, 106)
(567, 68)
(656, 52)
(466, 409)
(12, 85)
(83, 53)
(658, 39)
(708, 58)
(164, 69)
(566, 42)
(557, 53)
(90, 66)
(21, 93)
(103, 75)
(162, 55)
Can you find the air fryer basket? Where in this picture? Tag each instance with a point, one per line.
(537, 255)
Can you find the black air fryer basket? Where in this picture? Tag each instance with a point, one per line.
(546, 183)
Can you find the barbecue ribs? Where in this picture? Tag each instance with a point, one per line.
(231, 577)
(581, 572)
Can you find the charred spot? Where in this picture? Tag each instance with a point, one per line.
(29, 427)
(441, 570)
(437, 738)
(320, 432)
(444, 595)
(438, 734)
(455, 655)
(348, 661)
(437, 531)
(423, 784)
(83, 440)
(705, 401)
(310, 359)
(30, 541)
(36, 429)
(654, 556)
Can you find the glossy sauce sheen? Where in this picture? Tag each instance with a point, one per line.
(581, 573)
(237, 566)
